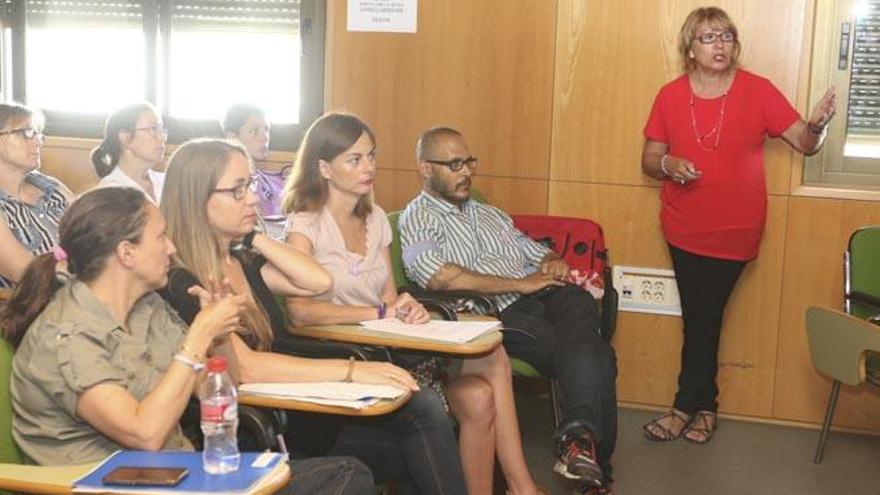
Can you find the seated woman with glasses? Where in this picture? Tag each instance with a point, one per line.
(211, 208)
(31, 203)
(102, 363)
(332, 216)
(133, 145)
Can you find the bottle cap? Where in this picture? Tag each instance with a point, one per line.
(217, 364)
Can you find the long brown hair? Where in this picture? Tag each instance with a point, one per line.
(91, 228)
(192, 175)
(327, 138)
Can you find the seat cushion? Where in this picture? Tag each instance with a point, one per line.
(522, 368)
(9, 452)
(872, 368)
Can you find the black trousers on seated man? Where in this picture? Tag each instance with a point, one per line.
(558, 334)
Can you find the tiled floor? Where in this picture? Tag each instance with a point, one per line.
(742, 459)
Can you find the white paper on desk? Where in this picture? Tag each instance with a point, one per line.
(455, 332)
(346, 394)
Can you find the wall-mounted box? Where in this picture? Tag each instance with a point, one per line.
(647, 290)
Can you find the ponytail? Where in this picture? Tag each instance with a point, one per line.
(105, 157)
(30, 297)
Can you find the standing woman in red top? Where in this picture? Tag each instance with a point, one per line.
(705, 140)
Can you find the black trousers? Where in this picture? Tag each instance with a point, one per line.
(558, 334)
(704, 285)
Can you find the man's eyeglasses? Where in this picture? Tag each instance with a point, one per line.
(240, 191)
(25, 132)
(457, 163)
(156, 130)
(710, 37)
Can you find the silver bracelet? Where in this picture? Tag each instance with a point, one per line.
(188, 362)
(663, 165)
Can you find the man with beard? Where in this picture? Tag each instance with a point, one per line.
(452, 242)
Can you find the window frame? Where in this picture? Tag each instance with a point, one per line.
(829, 168)
(284, 137)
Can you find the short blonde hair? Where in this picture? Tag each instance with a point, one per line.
(712, 16)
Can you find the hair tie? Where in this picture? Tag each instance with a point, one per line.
(59, 253)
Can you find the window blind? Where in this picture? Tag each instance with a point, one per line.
(863, 114)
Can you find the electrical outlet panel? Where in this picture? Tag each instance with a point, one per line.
(647, 290)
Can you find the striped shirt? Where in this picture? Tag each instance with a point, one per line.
(34, 226)
(478, 237)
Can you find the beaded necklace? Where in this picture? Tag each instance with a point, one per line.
(716, 129)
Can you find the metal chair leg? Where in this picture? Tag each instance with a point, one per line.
(555, 402)
(826, 425)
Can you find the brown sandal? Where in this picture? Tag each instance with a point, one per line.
(703, 424)
(656, 432)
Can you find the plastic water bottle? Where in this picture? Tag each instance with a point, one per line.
(219, 410)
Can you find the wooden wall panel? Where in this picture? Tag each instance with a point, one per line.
(395, 188)
(607, 77)
(648, 346)
(69, 160)
(482, 66)
(817, 234)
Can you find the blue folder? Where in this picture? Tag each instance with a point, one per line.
(196, 481)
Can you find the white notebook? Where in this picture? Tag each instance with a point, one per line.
(455, 332)
(354, 395)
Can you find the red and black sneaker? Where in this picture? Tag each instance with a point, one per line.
(577, 460)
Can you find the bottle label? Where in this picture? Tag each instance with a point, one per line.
(219, 412)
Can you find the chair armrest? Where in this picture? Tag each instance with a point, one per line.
(259, 427)
(864, 299)
(294, 345)
(460, 301)
(610, 303)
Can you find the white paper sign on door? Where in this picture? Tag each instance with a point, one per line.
(388, 16)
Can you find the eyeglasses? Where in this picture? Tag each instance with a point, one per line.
(710, 37)
(256, 130)
(156, 130)
(240, 191)
(457, 163)
(25, 132)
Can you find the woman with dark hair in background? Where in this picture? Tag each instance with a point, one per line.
(705, 140)
(210, 205)
(247, 123)
(102, 363)
(133, 145)
(31, 203)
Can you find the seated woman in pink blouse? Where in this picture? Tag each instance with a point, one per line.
(329, 200)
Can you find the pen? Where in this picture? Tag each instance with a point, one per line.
(282, 445)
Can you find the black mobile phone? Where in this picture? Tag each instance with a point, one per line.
(145, 476)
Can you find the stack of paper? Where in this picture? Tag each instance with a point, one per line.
(454, 332)
(345, 394)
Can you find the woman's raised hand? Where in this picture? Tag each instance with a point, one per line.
(384, 374)
(408, 310)
(219, 317)
(824, 110)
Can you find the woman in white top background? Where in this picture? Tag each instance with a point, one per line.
(133, 145)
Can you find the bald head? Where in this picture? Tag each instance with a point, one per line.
(428, 145)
